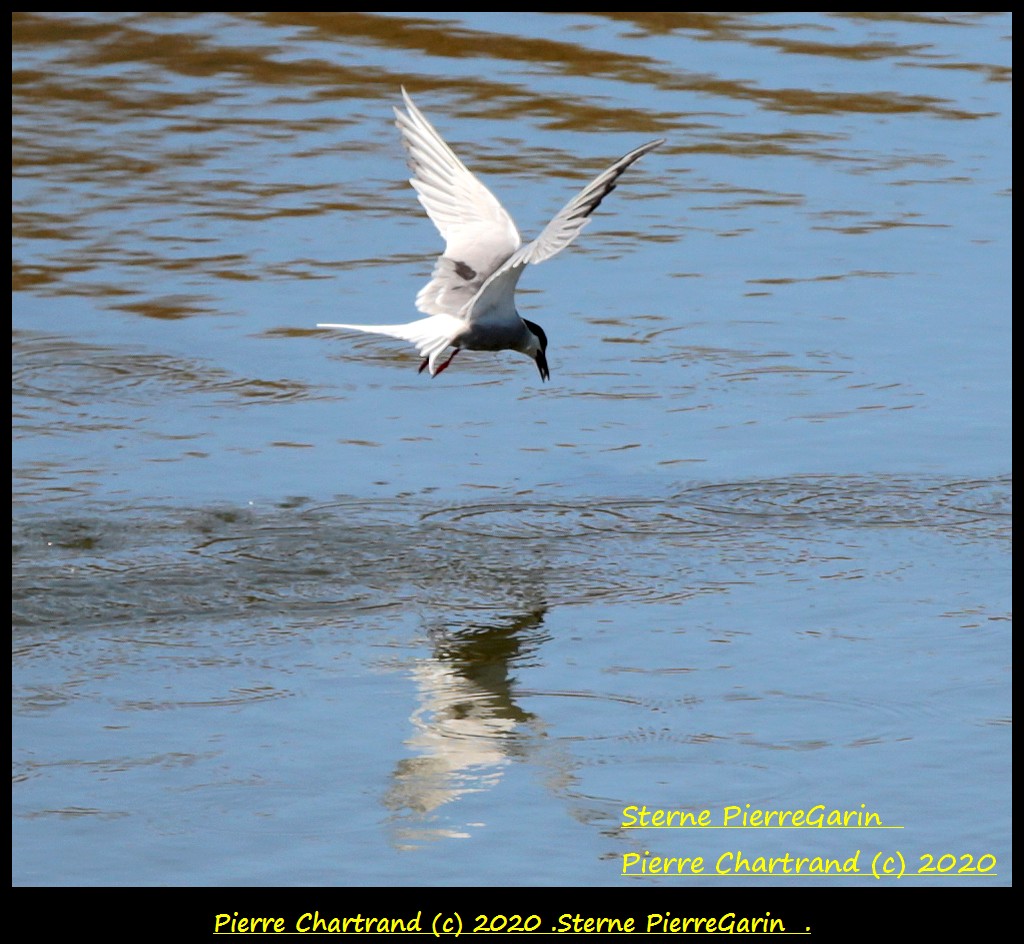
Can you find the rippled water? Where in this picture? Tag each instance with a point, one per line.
(286, 612)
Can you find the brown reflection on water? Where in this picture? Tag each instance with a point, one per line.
(133, 118)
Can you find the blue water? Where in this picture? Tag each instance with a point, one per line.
(286, 612)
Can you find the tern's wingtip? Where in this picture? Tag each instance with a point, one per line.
(651, 145)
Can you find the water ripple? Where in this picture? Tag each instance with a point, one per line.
(177, 565)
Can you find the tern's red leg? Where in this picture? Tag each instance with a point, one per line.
(426, 361)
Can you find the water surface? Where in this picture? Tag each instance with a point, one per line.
(286, 612)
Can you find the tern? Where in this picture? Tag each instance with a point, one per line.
(470, 298)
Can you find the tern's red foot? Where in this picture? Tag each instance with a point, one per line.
(442, 367)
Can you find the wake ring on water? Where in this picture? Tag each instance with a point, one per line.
(546, 520)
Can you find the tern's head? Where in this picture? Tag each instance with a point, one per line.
(538, 350)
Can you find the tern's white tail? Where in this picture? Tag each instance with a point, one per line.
(430, 335)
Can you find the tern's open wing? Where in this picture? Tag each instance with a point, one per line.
(479, 234)
(561, 231)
